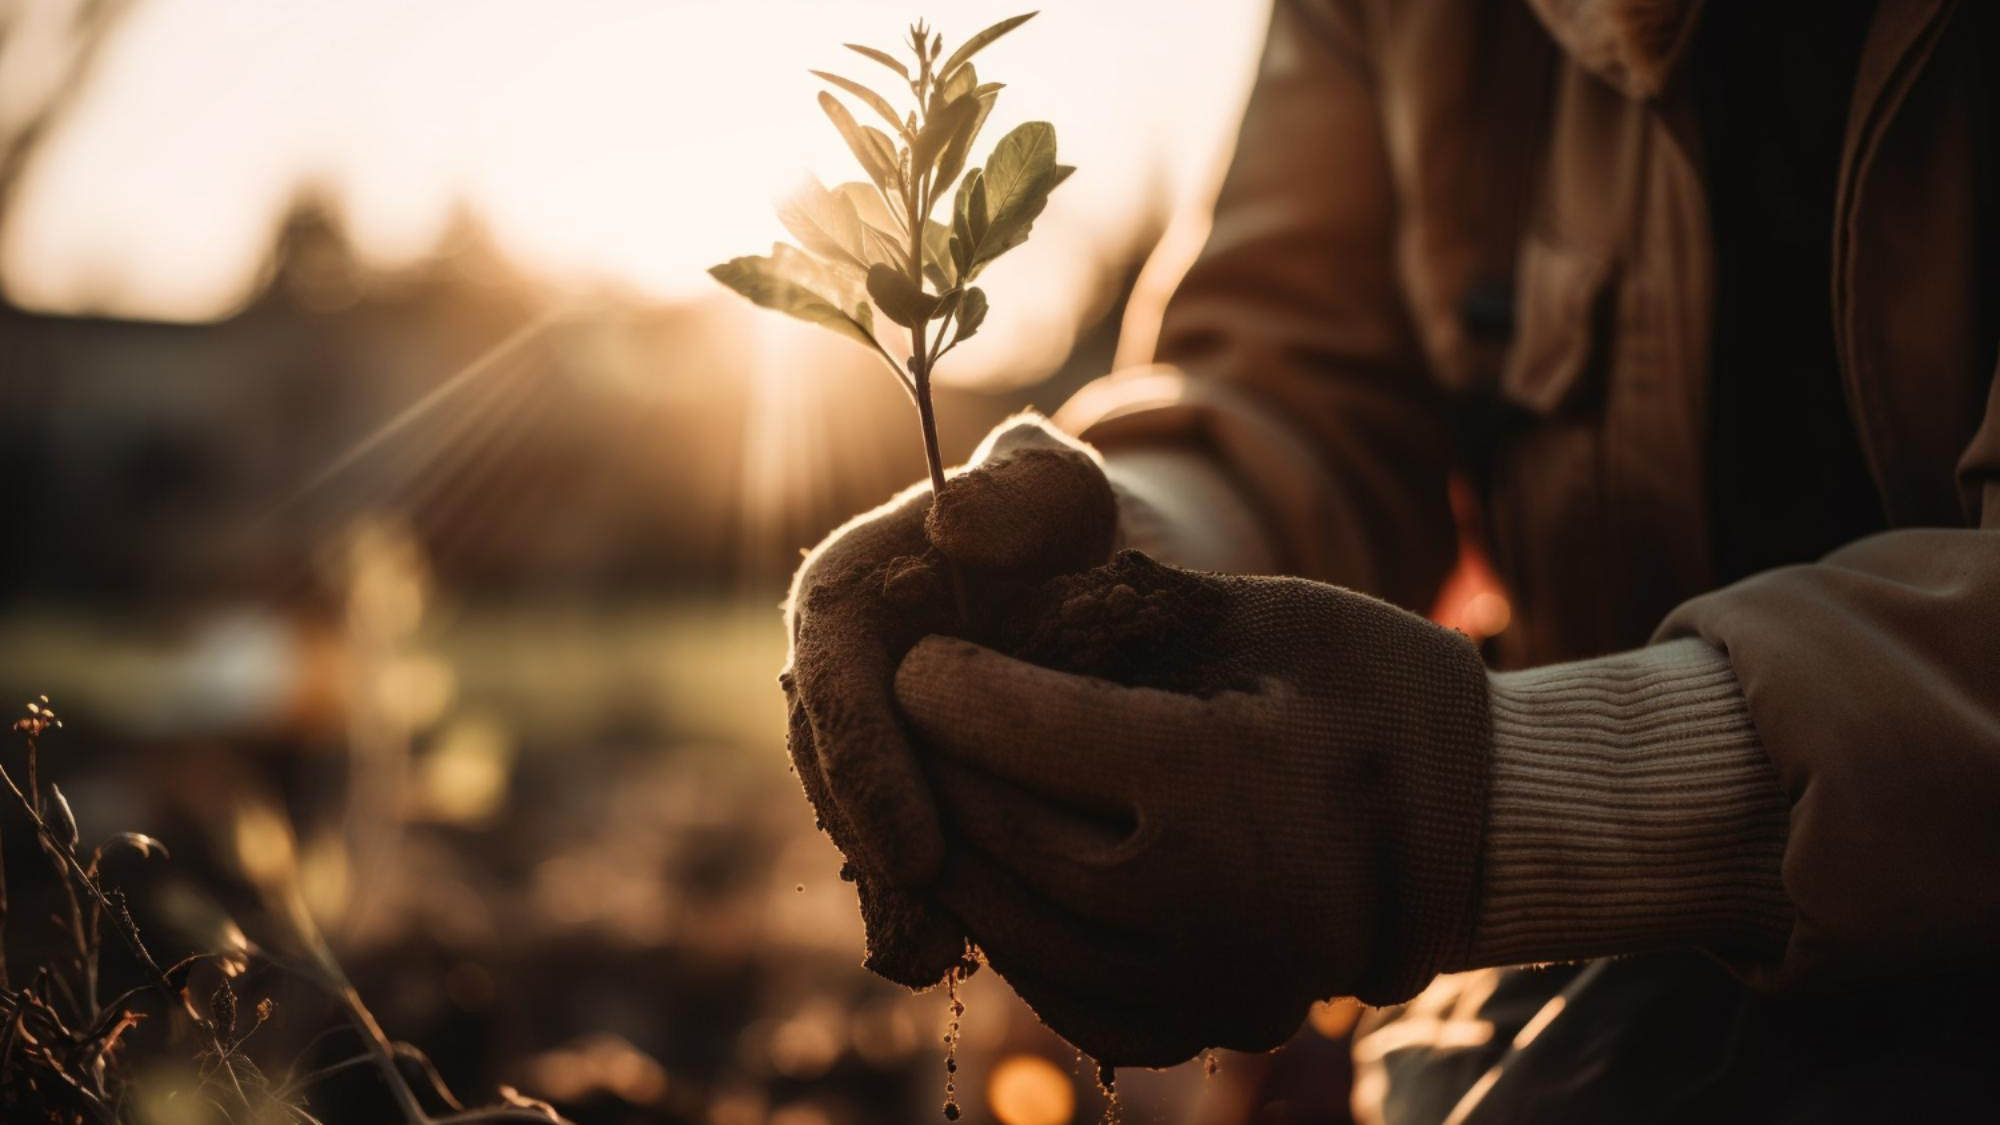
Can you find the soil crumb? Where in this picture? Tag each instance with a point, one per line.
(1133, 621)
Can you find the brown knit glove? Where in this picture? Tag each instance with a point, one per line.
(1032, 504)
(1291, 810)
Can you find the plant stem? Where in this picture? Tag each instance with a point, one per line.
(927, 417)
(324, 970)
(121, 919)
(917, 204)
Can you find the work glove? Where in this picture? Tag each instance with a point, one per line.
(1031, 504)
(1190, 805)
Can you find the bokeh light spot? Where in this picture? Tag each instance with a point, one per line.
(1030, 1090)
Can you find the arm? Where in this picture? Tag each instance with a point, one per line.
(1800, 773)
(1289, 363)
(1305, 793)
(1873, 678)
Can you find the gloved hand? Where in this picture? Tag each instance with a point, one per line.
(1290, 809)
(1032, 503)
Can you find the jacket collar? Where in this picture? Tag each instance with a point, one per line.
(1632, 44)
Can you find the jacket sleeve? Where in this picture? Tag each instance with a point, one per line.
(1873, 679)
(1287, 353)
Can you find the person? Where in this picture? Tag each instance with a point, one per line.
(1698, 300)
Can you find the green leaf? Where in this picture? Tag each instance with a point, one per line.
(827, 224)
(977, 210)
(961, 218)
(953, 160)
(847, 293)
(1017, 181)
(971, 314)
(879, 243)
(940, 131)
(948, 303)
(938, 264)
(961, 84)
(899, 298)
(996, 244)
(869, 205)
(980, 41)
(794, 284)
(1019, 167)
(871, 147)
(870, 98)
(883, 57)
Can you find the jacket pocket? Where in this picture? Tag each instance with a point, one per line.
(1559, 301)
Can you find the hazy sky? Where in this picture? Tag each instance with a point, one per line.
(632, 142)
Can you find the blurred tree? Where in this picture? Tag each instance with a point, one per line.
(49, 50)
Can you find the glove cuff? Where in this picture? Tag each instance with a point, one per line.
(1433, 718)
(1633, 809)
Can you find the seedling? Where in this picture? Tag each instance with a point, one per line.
(872, 247)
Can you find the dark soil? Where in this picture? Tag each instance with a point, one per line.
(1134, 621)
(1032, 513)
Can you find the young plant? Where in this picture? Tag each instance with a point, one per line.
(868, 247)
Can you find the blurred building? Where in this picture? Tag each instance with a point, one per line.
(606, 451)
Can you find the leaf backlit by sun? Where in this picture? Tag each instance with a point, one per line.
(873, 248)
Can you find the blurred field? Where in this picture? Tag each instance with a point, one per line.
(398, 514)
(602, 886)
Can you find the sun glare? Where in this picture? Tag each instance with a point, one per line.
(629, 143)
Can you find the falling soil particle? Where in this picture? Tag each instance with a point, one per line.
(956, 1012)
(1107, 1084)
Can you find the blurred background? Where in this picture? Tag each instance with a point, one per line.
(395, 503)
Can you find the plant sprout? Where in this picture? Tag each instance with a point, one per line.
(875, 242)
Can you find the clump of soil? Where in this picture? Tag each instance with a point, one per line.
(1031, 512)
(1133, 622)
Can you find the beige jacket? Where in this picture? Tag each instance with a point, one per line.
(1400, 159)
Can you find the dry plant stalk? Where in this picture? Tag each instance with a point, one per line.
(63, 1052)
(873, 246)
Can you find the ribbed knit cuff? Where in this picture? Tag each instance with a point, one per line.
(1632, 809)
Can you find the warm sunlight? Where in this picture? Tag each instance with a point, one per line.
(628, 143)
